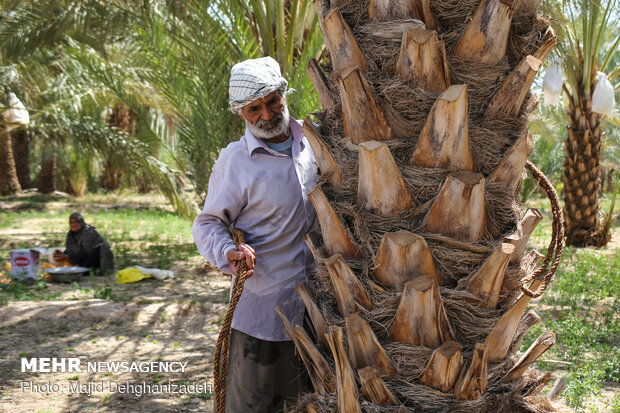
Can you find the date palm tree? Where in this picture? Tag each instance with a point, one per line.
(588, 43)
(20, 141)
(9, 184)
(173, 57)
(420, 297)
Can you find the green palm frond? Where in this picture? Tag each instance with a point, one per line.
(132, 157)
(187, 55)
(29, 26)
(193, 79)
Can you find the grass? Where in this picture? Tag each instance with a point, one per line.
(24, 292)
(582, 308)
(140, 232)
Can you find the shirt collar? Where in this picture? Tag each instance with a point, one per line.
(255, 143)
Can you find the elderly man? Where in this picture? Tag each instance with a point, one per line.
(259, 186)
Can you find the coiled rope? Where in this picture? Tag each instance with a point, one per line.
(222, 348)
(554, 252)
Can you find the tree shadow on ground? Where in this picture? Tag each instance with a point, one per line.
(163, 321)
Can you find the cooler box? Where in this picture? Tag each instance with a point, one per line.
(25, 263)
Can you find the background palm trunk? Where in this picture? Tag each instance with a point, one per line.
(9, 184)
(112, 176)
(20, 141)
(46, 180)
(122, 119)
(582, 177)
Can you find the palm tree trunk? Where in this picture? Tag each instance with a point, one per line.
(121, 118)
(111, 177)
(68, 184)
(46, 180)
(21, 154)
(397, 222)
(582, 177)
(9, 184)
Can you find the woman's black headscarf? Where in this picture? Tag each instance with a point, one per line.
(79, 218)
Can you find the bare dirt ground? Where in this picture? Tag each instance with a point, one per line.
(150, 321)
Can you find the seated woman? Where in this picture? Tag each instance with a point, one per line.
(85, 247)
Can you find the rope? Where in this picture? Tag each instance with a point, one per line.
(554, 252)
(220, 365)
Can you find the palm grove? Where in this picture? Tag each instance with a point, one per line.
(131, 96)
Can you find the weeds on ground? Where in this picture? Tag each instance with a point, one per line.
(582, 308)
(18, 291)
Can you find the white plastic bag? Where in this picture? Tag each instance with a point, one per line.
(16, 115)
(603, 100)
(156, 272)
(552, 84)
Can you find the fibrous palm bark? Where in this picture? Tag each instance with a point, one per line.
(112, 175)
(417, 304)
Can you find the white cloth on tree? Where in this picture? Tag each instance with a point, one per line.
(16, 115)
(603, 100)
(254, 79)
(552, 84)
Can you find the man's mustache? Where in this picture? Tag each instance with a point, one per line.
(270, 123)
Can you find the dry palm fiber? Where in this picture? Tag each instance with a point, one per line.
(406, 108)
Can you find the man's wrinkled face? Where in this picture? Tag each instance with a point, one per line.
(268, 117)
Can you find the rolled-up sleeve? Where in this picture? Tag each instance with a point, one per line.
(222, 207)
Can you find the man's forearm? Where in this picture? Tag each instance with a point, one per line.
(213, 239)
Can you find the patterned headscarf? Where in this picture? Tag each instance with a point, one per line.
(254, 79)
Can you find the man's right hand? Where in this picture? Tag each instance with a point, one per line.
(244, 251)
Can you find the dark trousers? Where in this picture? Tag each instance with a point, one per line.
(92, 261)
(82, 259)
(262, 375)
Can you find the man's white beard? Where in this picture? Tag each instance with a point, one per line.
(281, 128)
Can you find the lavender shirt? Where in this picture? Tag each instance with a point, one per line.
(264, 194)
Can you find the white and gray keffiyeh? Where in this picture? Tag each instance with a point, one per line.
(254, 79)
